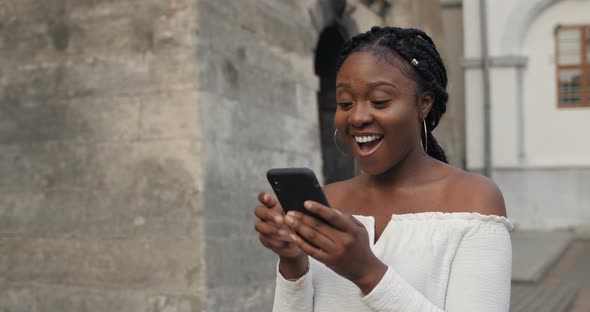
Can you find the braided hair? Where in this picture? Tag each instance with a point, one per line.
(414, 53)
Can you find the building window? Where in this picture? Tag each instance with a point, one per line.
(573, 65)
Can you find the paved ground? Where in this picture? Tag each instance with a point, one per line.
(574, 268)
(533, 253)
(551, 272)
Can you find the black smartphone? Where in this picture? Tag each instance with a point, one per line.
(293, 186)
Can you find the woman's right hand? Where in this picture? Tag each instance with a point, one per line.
(274, 233)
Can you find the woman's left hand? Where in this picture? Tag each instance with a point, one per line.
(340, 242)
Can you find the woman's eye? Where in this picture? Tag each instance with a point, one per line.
(345, 104)
(380, 103)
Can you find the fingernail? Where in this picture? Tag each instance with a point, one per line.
(293, 237)
(289, 219)
(283, 233)
(265, 197)
(278, 219)
(307, 205)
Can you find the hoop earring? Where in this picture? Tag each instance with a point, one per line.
(336, 143)
(425, 137)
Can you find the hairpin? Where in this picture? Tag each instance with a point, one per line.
(414, 62)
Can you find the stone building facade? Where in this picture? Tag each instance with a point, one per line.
(135, 136)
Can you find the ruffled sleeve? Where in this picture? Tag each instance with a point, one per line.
(479, 277)
(291, 296)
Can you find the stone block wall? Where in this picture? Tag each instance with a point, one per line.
(100, 179)
(258, 110)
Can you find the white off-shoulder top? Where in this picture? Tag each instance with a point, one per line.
(436, 262)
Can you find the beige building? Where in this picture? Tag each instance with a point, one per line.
(539, 86)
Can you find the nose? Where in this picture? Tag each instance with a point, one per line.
(360, 115)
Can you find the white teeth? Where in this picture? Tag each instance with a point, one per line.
(367, 138)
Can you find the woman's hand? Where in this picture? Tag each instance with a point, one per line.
(276, 236)
(340, 242)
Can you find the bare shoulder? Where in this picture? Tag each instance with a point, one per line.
(475, 193)
(335, 191)
(340, 193)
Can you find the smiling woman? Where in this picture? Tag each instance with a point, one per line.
(411, 233)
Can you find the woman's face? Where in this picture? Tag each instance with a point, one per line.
(377, 114)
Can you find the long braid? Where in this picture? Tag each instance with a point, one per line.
(430, 73)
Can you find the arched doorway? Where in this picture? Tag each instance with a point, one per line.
(335, 166)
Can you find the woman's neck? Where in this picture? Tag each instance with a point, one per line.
(412, 170)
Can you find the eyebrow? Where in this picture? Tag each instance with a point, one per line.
(375, 84)
(343, 85)
(371, 85)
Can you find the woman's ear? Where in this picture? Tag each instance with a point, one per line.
(426, 102)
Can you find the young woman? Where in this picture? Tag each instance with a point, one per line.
(411, 233)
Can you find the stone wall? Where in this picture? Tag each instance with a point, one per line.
(100, 179)
(258, 110)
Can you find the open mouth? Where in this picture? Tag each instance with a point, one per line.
(368, 143)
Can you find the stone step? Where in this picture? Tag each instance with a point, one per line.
(542, 298)
(533, 253)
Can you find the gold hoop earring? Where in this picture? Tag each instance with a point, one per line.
(425, 137)
(336, 143)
